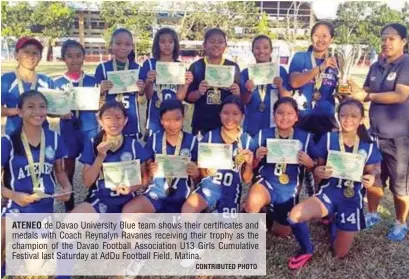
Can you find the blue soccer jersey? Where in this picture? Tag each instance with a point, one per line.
(157, 191)
(222, 192)
(76, 131)
(10, 93)
(349, 211)
(325, 104)
(260, 117)
(129, 100)
(17, 172)
(160, 92)
(104, 199)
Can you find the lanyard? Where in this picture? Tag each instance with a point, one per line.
(34, 178)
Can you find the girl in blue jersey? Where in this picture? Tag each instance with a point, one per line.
(122, 48)
(220, 190)
(259, 99)
(13, 84)
(165, 48)
(31, 160)
(278, 185)
(110, 145)
(313, 74)
(76, 127)
(167, 194)
(340, 197)
(207, 100)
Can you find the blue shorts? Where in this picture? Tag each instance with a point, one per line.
(167, 203)
(281, 202)
(104, 206)
(41, 206)
(349, 214)
(219, 198)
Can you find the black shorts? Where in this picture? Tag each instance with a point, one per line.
(395, 165)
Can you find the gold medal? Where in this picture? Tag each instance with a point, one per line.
(239, 159)
(115, 142)
(284, 179)
(349, 192)
(158, 103)
(262, 107)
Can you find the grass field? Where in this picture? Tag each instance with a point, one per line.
(372, 255)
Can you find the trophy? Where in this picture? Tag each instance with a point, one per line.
(347, 56)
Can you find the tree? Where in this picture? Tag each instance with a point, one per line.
(16, 19)
(264, 27)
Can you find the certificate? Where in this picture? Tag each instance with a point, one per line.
(85, 98)
(263, 73)
(219, 75)
(171, 166)
(281, 151)
(215, 156)
(58, 101)
(170, 73)
(125, 173)
(124, 81)
(346, 165)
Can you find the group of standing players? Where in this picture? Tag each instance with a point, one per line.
(304, 107)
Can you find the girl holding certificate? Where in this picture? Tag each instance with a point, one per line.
(31, 159)
(76, 127)
(341, 196)
(220, 189)
(278, 184)
(259, 99)
(109, 146)
(122, 48)
(165, 48)
(167, 194)
(207, 99)
(28, 54)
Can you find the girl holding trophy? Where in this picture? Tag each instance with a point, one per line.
(347, 161)
(167, 194)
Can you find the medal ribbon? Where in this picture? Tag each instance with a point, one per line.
(318, 78)
(21, 85)
(350, 183)
(115, 66)
(34, 178)
(262, 92)
(277, 136)
(177, 151)
(239, 159)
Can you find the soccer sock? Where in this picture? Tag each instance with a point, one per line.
(302, 235)
(3, 270)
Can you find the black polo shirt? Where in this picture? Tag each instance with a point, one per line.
(206, 112)
(389, 120)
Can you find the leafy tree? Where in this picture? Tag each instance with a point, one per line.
(264, 27)
(15, 19)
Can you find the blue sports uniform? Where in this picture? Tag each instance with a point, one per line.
(349, 211)
(129, 100)
(222, 192)
(168, 92)
(301, 62)
(283, 196)
(256, 120)
(76, 131)
(156, 192)
(10, 93)
(104, 200)
(17, 173)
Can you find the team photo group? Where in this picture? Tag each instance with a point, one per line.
(273, 132)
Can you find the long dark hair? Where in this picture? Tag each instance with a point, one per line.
(131, 55)
(15, 136)
(113, 104)
(362, 131)
(156, 47)
(328, 24)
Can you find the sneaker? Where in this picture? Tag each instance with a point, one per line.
(371, 219)
(398, 232)
(298, 261)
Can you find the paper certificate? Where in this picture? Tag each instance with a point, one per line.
(283, 151)
(171, 166)
(170, 73)
(346, 165)
(124, 81)
(215, 156)
(58, 101)
(125, 173)
(85, 98)
(219, 75)
(263, 73)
